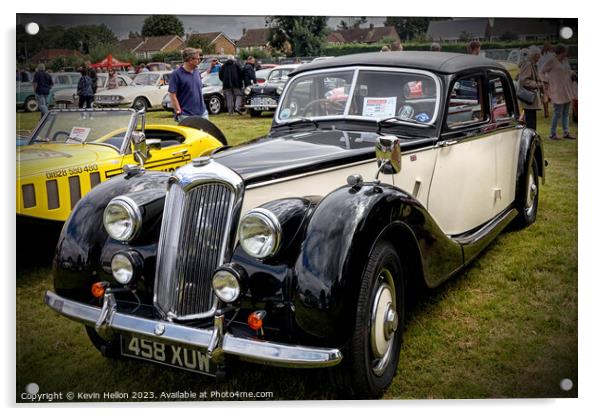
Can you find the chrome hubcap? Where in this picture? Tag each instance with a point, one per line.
(384, 323)
(214, 105)
(531, 194)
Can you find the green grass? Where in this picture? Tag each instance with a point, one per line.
(506, 327)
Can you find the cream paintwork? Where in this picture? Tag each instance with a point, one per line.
(469, 179)
(323, 183)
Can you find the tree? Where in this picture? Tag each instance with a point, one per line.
(133, 35)
(343, 25)
(409, 28)
(87, 37)
(202, 43)
(305, 34)
(161, 24)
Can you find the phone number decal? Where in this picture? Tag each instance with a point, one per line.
(78, 170)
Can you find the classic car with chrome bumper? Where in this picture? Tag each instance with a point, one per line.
(279, 251)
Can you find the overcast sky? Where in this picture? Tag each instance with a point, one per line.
(121, 25)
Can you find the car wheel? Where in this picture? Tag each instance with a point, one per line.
(254, 113)
(529, 201)
(214, 105)
(140, 103)
(31, 105)
(108, 348)
(371, 360)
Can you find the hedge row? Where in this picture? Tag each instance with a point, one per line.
(447, 47)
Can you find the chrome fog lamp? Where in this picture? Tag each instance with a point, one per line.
(122, 218)
(279, 90)
(259, 233)
(126, 266)
(248, 90)
(226, 282)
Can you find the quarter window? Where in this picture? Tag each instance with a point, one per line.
(465, 105)
(500, 98)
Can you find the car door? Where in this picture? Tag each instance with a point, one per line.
(506, 137)
(463, 189)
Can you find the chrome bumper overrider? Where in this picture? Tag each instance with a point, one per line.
(214, 340)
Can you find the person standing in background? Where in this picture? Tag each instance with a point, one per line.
(42, 83)
(231, 76)
(474, 47)
(546, 54)
(435, 47)
(248, 72)
(186, 87)
(561, 90)
(112, 82)
(528, 79)
(84, 89)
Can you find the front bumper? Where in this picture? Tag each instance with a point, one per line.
(215, 340)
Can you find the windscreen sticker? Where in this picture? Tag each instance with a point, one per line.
(285, 114)
(379, 107)
(79, 133)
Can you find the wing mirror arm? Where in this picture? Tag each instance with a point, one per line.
(141, 149)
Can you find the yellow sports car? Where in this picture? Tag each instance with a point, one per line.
(71, 151)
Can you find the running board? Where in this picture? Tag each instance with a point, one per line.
(473, 242)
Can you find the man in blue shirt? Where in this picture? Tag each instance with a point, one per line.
(185, 87)
(42, 83)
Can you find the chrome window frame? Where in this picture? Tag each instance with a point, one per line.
(356, 69)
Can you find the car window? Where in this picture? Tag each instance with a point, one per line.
(500, 99)
(146, 79)
(121, 82)
(101, 81)
(274, 75)
(465, 105)
(317, 95)
(409, 96)
(74, 78)
(63, 79)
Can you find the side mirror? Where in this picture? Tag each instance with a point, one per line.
(141, 150)
(388, 155)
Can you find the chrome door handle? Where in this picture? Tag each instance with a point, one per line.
(446, 143)
(180, 152)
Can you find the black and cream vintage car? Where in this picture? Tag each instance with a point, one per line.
(264, 97)
(381, 172)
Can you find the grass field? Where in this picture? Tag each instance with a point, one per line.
(506, 327)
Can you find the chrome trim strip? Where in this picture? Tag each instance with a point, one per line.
(266, 352)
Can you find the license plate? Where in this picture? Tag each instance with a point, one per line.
(264, 102)
(195, 360)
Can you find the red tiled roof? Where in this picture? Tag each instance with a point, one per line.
(363, 35)
(254, 37)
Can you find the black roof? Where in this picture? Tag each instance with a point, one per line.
(442, 62)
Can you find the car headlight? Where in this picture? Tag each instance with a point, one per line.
(227, 281)
(279, 90)
(259, 233)
(122, 218)
(126, 265)
(248, 90)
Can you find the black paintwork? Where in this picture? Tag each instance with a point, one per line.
(443, 62)
(84, 247)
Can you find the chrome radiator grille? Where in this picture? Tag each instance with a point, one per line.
(194, 235)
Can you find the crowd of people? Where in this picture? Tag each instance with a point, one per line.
(547, 75)
(544, 77)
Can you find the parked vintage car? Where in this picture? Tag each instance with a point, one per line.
(265, 96)
(72, 151)
(26, 98)
(68, 98)
(213, 95)
(145, 92)
(301, 249)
